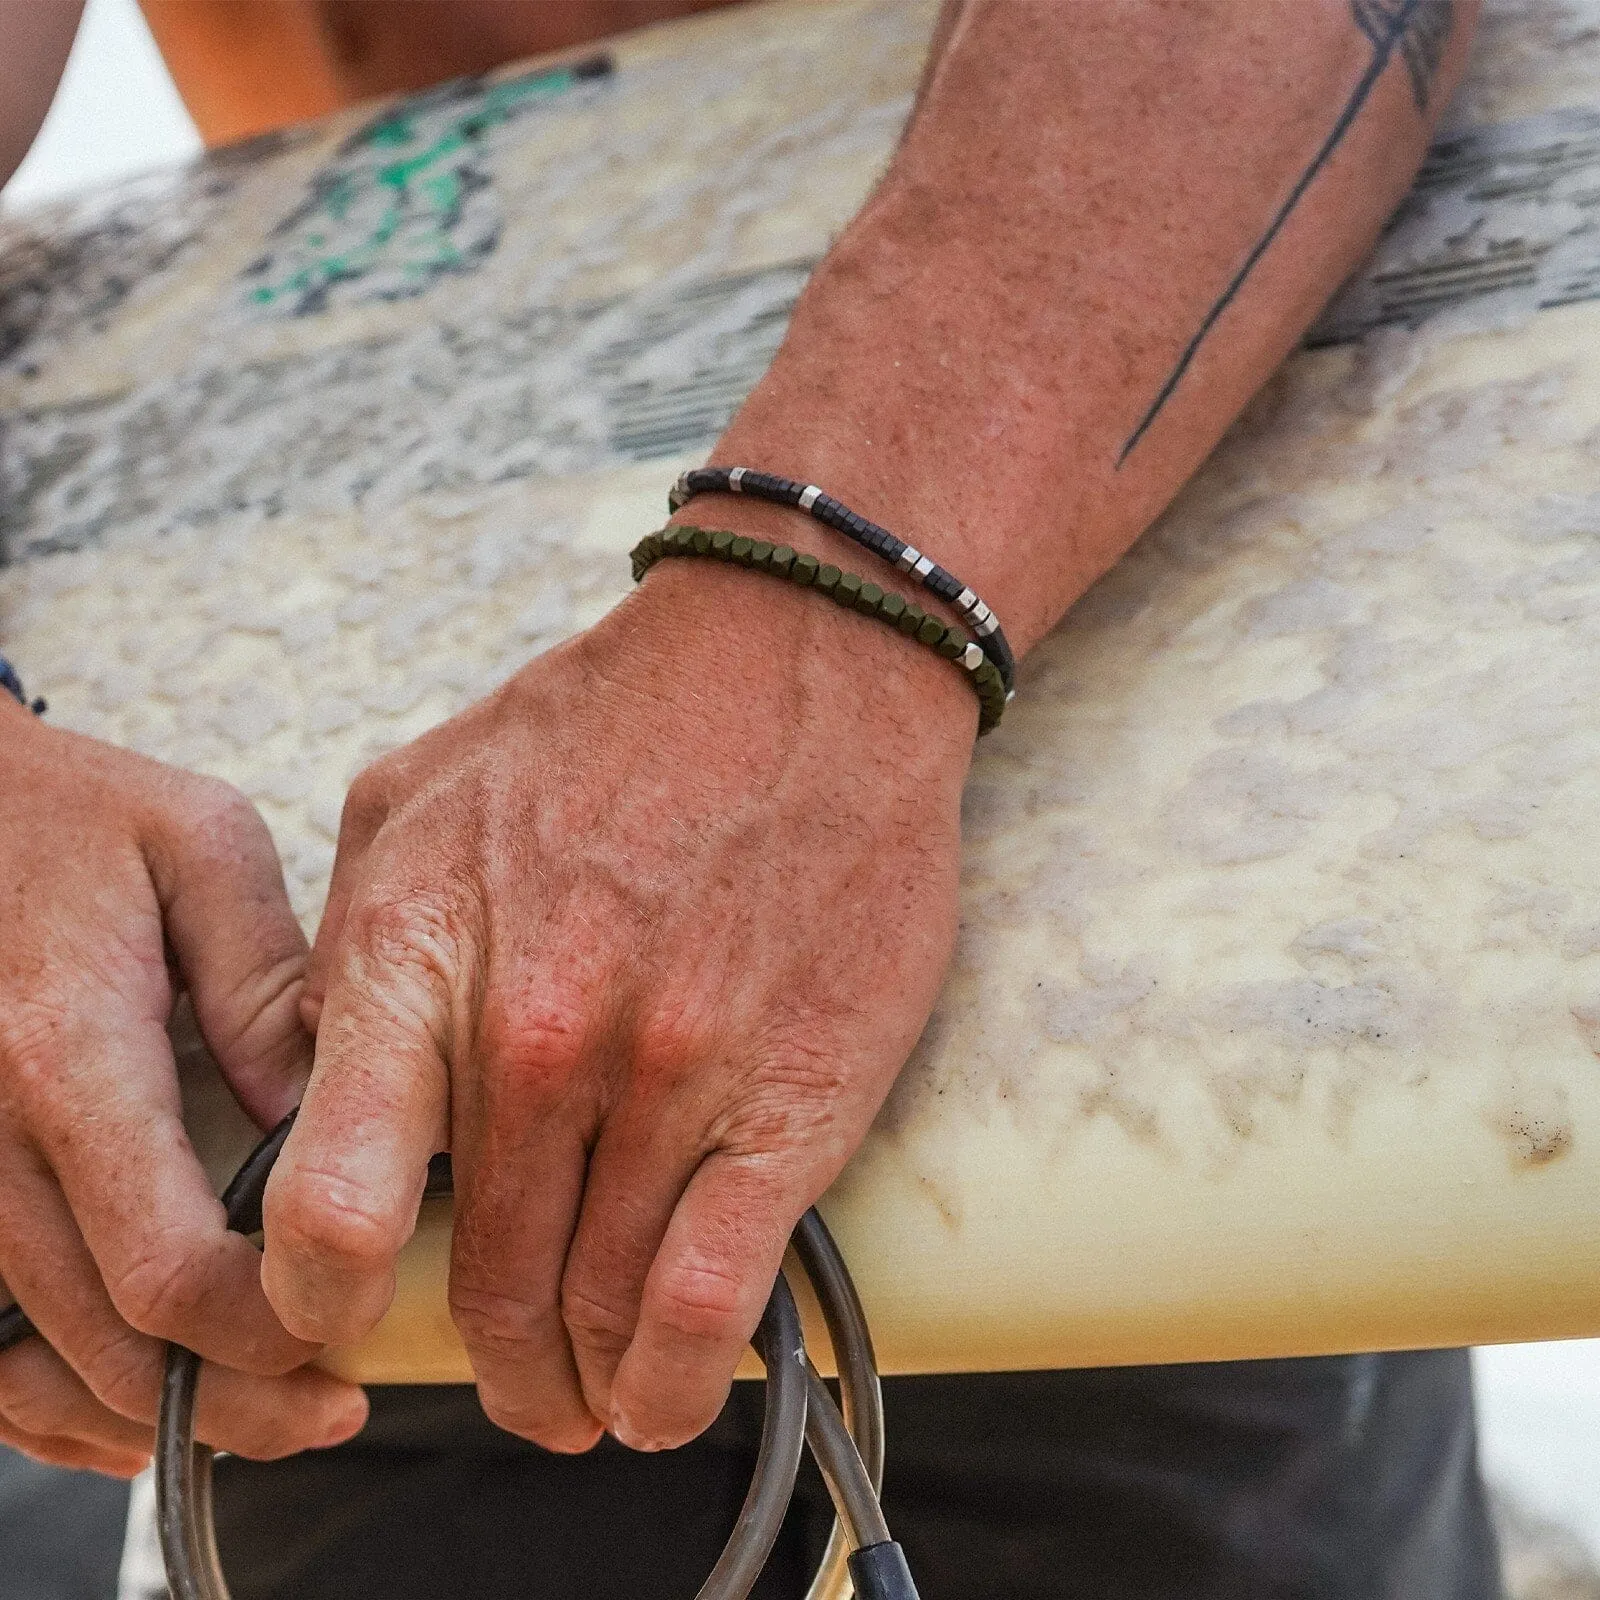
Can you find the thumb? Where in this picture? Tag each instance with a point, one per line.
(240, 951)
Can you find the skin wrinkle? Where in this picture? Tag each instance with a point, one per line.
(744, 804)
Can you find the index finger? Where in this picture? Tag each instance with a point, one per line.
(100, 1103)
(343, 1198)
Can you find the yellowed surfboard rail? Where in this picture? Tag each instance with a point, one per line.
(1273, 1025)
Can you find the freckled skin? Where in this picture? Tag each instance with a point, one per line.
(650, 957)
(110, 1236)
(644, 937)
(718, 837)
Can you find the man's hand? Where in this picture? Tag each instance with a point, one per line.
(642, 939)
(119, 877)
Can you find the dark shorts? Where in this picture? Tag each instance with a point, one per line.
(1348, 1478)
(60, 1532)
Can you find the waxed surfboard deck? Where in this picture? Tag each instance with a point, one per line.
(1273, 1026)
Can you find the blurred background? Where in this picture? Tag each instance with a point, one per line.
(117, 112)
(1539, 1405)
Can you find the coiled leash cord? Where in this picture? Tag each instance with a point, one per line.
(848, 1446)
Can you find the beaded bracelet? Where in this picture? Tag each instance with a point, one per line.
(12, 685)
(825, 509)
(844, 588)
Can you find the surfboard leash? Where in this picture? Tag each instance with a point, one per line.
(847, 1439)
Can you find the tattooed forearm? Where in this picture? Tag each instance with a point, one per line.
(1416, 31)
(1419, 30)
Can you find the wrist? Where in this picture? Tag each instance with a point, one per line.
(774, 653)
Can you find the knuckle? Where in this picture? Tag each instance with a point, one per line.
(158, 1292)
(28, 1403)
(217, 815)
(700, 1302)
(38, 1408)
(593, 1322)
(325, 1218)
(121, 1375)
(419, 934)
(500, 1323)
(792, 1097)
(670, 1044)
(537, 1032)
(803, 1065)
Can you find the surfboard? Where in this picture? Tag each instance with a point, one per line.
(1274, 1022)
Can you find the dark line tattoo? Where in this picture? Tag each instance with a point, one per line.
(1415, 29)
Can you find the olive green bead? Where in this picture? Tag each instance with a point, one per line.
(847, 589)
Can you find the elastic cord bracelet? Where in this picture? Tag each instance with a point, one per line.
(825, 509)
(843, 588)
(12, 685)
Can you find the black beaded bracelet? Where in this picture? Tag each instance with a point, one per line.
(12, 685)
(825, 509)
(844, 588)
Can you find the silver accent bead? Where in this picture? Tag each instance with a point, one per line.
(736, 479)
(923, 566)
(989, 624)
(809, 497)
(1010, 696)
(968, 601)
(972, 658)
(908, 558)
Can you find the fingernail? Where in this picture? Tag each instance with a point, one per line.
(348, 1420)
(624, 1432)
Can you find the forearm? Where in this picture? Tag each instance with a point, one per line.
(1109, 221)
(35, 36)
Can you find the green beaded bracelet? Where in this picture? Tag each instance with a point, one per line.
(845, 589)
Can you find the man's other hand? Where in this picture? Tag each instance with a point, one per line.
(643, 939)
(119, 880)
